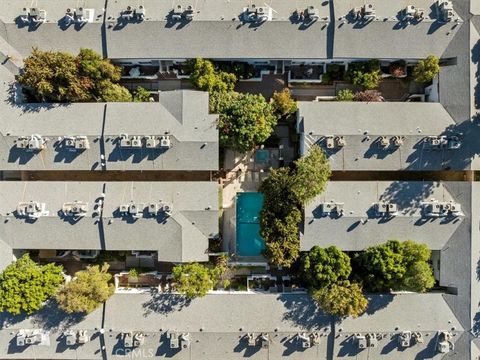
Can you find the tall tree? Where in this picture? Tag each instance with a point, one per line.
(343, 299)
(246, 120)
(87, 291)
(193, 280)
(322, 267)
(311, 174)
(204, 77)
(25, 285)
(395, 265)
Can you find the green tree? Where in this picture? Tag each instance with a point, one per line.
(53, 77)
(345, 95)
(365, 74)
(111, 92)
(395, 266)
(426, 70)
(94, 67)
(62, 77)
(283, 104)
(205, 77)
(141, 95)
(311, 175)
(282, 241)
(343, 299)
(87, 291)
(322, 267)
(25, 285)
(193, 280)
(246, 120)
(280, 217)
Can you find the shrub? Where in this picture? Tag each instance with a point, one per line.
(88, 290)
(397, 69)
(25, 285)
(365, 74)
(368, 96)
(341, 300)
(322, 267)
(426, 70)
(345, 95)
(141, 95)
(246, 120)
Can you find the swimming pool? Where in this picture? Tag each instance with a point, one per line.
(249, 242)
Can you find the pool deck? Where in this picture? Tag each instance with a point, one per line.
(240, 178)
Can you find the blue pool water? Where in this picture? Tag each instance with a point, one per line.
(249, 241)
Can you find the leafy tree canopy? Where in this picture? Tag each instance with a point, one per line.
(426, 70)
(283, 104)
(87, 291)
(204, 77)
(322, 267)
(365, 74)
(343, 299)
(311, 175)
(25, 285)
(194, 280)
(55, 76)
(246, 120)
(395, 266)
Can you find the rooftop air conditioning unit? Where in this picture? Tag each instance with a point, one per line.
(136, 210)
(80, 15)
(372, 340)
(177, 12)
(184, 340)
(304, 340)
(128, 340)
(76, 208)
(138, 339)
(397, 141)
(167, 209)
(313, 13)
(434, 140)
(445, 343)
(153, 209)
(454, 143)
(125, 140)
(21, 337)
(383, 141)
(452, 207)
(37, 15)
(251, 340)
(361, 341)
(174, 341)
(35, 142)
(369, 11)
(405, 339)
(341, 141)
(83, 337)
(31, 209)
(82, 143)
(189, 12)
(127, 14)
(315, 338)
(140, 13)
(123, 208)
(330, 142)
(70, 15)
(165, 141)
(70, 337)
(410, 11)
(151, 142)
(136, 142)
(265, 341)
(25, 16)
(418, 337)
(22, 142)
